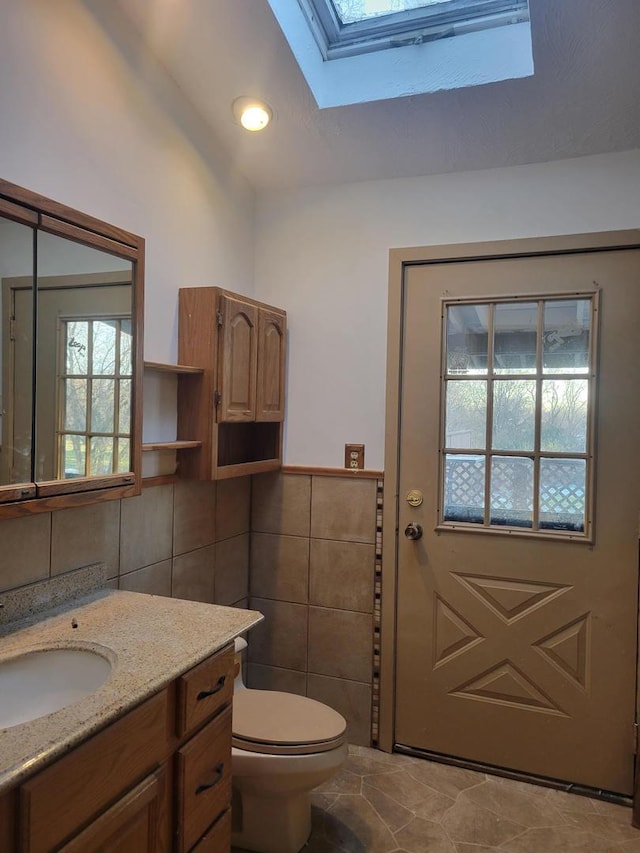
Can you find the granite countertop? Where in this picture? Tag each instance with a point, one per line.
(150, 640)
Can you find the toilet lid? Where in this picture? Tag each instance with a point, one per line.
(284, 723)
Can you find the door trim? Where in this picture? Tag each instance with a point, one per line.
(399, 260)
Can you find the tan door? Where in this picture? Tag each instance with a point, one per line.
(517, 648)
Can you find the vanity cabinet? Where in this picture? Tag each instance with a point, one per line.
(237, 407)
(158, 779)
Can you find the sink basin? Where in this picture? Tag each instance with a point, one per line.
(43, 681)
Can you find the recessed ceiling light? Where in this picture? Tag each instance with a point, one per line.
(251, 113)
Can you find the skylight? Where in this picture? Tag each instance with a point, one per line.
(350, 27)
(353, 51)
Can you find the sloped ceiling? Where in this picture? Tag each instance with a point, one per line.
(583, 99)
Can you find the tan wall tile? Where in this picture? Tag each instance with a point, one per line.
(341, 575)
(349, 698)
(273, 678)
(84, 535)
(154, 580)
(233, 507)
(26, 550)
(280, 567)
(343, 509)
(281, 639)
(194, 520)
(231, 575)
(146, 528)
(281, 504)
(340, 643)
(193, 575)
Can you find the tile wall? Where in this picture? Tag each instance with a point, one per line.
(301, 550)
(312, 574)
(188, 539)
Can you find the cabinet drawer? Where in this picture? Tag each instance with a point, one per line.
(204, 779)
(204, 689)
(65, 796)
(217, 839)
(137, 823)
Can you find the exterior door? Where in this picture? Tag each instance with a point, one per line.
(520, 421)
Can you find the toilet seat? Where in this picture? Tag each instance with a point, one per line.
(276, 723)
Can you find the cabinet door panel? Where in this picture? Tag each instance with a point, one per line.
(271, 354)
(237, 360)
(217, 839)
(137, 823)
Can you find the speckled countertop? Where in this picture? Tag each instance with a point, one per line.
(149, 639)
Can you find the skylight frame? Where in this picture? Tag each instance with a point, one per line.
(414, 26)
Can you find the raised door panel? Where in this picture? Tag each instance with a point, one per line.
(137, 823)
(271, 355)
(237, 360)
(7, 822)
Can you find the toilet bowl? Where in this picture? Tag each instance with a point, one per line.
(283, 746)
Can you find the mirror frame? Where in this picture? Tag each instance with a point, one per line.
(44, 214)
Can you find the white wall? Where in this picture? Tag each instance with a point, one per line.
(322, 253)
(89, 119)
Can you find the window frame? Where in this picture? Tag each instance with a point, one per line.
(587, 535)
(337, 40)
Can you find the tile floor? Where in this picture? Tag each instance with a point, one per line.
(381, 803)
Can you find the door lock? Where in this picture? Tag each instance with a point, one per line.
(413, 531)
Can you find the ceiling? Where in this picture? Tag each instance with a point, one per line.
(583, 99)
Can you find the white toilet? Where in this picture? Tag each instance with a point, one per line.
(284, 745)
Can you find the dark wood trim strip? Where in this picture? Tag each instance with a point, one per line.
(60, 211)
(160, 367)
(358, 473)
(18, 213)
(89, 238)
(171, 445)
(51, 488)
(160, 480)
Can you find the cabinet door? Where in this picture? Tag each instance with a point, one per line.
(271, 353)
(137, 823)
(237, 360)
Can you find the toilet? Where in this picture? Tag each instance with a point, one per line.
(283, 746)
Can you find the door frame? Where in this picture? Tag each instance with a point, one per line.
(399, 260)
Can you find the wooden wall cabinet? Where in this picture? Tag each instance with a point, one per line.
(236, 408)
(157, 780)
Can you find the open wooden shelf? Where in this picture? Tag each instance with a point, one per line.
(171, 445)
(159, 367)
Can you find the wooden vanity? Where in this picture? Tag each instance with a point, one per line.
(155, 777)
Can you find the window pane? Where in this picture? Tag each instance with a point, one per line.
(466, 417)
(103, 405)
(75, 404)
(567, 325)
(125, 348)
(464, 488)
(514, 405)
(564, 415)
(125, 406)
(515, 333)
(74, 454)
(512, 491)
(104, 347)
(101, 461)
(77, 346)
(562, 494)
(467, 336)
(350, 11)
(124, 455)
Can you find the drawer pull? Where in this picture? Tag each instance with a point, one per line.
(217, 778)
(204, 694)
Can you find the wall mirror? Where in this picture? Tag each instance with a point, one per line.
(71, 330)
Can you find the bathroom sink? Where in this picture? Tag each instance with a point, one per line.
(42, 681)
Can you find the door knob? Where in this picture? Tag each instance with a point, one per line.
(413, 531)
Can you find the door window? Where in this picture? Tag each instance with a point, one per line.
(94, 400)
(517, 415)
